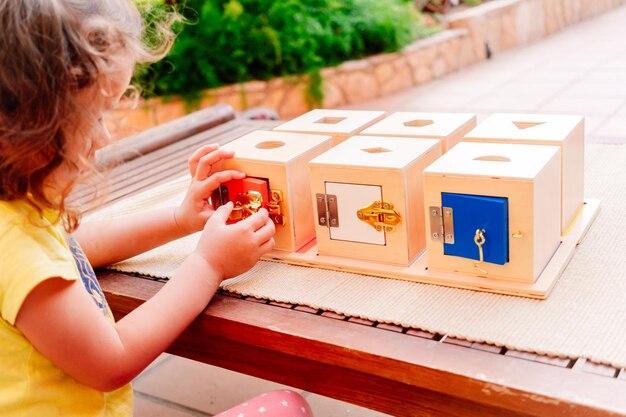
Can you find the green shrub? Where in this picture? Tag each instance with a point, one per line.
(233, 41)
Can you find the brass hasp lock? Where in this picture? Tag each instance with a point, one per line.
(251, 201)
(246, 204)
(380, 215)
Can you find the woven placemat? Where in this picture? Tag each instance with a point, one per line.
(584, 315)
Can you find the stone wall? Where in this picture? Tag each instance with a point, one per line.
(468, 37)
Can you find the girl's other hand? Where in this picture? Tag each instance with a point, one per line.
(231, 249)
(195, 210)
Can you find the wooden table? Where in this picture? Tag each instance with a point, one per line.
(395, 370)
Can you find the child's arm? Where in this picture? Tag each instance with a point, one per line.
(108, 241)
(61, 320)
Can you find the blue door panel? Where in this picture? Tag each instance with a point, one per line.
(472, 212)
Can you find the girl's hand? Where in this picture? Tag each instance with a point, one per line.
(231, 249)
(195, 209)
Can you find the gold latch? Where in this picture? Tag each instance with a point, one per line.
(246, 204)
(380, 215)
(251, 201)
(273, 207)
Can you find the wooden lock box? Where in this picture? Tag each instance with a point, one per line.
(276, 165)
(493, 210)
(565, 131)
(368, 198)
(340, 124)
(449, 128)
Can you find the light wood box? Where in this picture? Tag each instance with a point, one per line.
(528, 176)
(340, 124)
(565, 131)
(282, 158)
(449, 128)
(355, 174)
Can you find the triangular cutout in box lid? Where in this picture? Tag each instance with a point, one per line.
(526, 125)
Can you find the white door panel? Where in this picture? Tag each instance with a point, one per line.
(351, 198)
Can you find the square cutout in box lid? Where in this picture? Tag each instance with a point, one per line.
(327, 121)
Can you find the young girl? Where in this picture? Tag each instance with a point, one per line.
(63, 64)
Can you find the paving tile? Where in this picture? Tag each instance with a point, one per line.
(328, 407)
(613, 127)
(506, 103)
(586, 106)
(592, 123)
(603, 75)
(164, 357)
(150, 407)
(201, 387)
(589, 88)
(540, 76)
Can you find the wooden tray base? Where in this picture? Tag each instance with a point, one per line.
(418, 271)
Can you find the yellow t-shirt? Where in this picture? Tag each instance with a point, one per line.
(31, 251)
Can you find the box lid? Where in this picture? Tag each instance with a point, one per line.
(530, 127)
(420, 125)
(481, 159)
(279, 147)
(331, 121)
(376, 152)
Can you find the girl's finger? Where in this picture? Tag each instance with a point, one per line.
(266, 232)
(199, 153)
(219, 178)
(255, 221)
(266, 247)
(203, 169)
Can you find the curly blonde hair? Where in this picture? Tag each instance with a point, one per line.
(49, 51)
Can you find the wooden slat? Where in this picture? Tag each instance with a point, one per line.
(155, 138)
(596, 368)
(306, 309)
(455, 341)
(390, 327)
(485, 347)
(361, 321)
(421, 333)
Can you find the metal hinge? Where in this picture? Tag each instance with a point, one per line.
(380, 215)
(327, 210)
(441, 224)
